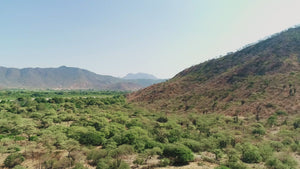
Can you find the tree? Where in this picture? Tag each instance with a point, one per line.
(92, 138)
(28, 127)
(71, 145)
(86, 135)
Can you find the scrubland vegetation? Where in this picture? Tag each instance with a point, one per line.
(89, 129)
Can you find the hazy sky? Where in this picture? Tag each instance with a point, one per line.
(116, 37)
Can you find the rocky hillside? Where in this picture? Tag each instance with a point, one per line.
(61, 78)
(259, 79)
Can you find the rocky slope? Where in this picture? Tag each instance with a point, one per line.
(259, 79)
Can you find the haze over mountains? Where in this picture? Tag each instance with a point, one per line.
(260, 78)
(140, 76)
(66, 78)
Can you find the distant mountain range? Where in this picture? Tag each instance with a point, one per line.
(259, 79)
(140, 76)
(66, 78)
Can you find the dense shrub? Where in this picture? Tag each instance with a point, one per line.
(162, 119)
(112, 164)
(236, 165)
(266, 151)
(86, 135)
(258, 129)
(119, 164)
(95, 155)
(272, 120)
(283, 162)
(178, 153)
(92, 138)
(281, 113)
(295, 147)
(139, 160)
(13, 160)
(121, 151)
(103, 164)
(296, 123)
(276, 145)
(287, 141)
(250, 154)
(154, 151)
(164, 162)
(195, 146)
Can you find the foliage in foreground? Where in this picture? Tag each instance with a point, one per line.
(101, 130)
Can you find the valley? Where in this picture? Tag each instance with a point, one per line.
(238, 111)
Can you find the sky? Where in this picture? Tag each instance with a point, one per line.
(116, 37)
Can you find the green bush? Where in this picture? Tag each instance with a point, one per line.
(250, 154)
(236, 165)
(218, 154)
(139, 160)
(19, 167)
(258, 129)
(287, 141)
(164, 162)
(222, 167)
(162, 119)
(179, 153)
(281, 113)
(195, 146)
(119, 164)
(79, 166)
(274, 163)
(33, 138)
(266, 151)
(276, 145)
(154, 151)
(121, 151)
(283, 162)
(94, 138)
(103, 164)
(95, 155)
(296, 123)
(233, 155)
(13, 160)
(295, 147)
(272, 120)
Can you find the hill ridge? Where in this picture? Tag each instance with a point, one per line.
(237, 82)
(63, 77)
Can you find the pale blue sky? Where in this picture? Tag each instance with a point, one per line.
(116, 37)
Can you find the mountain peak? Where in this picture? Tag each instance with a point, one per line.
(140, 76)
